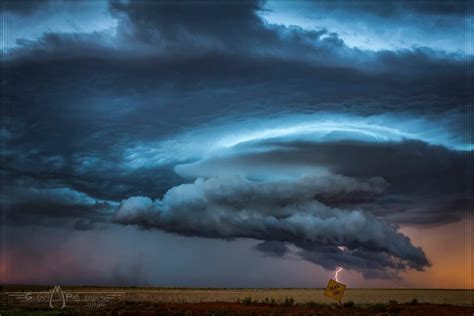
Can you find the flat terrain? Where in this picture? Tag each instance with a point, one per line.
(358, 296)
(24, 300)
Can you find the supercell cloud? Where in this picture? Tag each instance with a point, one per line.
(284, 212)
(285, 124)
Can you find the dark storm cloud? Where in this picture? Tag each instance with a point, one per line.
(281, 211)
(427, 183)
(372, 265)
(68, 45)
(273, 248)
(24, 8)
(103, 108)
(179, 31)
(98, 123)
(398, 8)
(188, 22)
(42, 203)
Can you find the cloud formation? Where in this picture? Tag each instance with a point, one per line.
(415, 195)
(395, 8)
(281, 211)
(24, 8)
(181, 31)
(246, 127)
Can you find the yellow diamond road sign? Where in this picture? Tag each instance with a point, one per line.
(335, 290)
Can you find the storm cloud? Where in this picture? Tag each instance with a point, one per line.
(228, 121)
(415, 194)
(285, 211)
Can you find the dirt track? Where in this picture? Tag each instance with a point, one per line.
(300, 309)
(216, 309)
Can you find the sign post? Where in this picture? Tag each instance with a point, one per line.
(335, 290)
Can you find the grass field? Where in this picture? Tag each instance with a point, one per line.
(190, 295)
(358, 296)
(167, 301)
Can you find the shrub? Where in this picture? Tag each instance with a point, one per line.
(393, 302)
(288, 301)
(413, 301)
(348, 304)
(394, 310)
(379, 308)
(314, 304)
(247, 301)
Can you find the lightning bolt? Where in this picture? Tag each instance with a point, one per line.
(337, 274)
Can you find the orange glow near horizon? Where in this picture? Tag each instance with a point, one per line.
(449, 248)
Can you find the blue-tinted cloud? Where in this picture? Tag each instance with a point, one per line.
(279, 211)
(154, 97)
(383, 25)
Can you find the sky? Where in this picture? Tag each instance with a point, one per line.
(237, 144)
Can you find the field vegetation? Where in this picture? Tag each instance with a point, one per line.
(181, 301)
